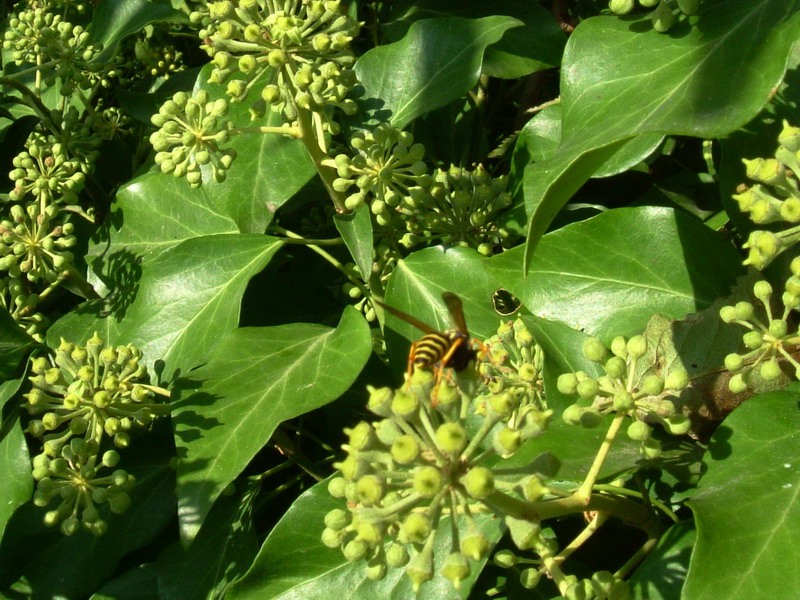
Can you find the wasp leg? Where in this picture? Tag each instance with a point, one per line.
(410, 369)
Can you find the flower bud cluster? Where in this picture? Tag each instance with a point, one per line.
(302, 45)
(663, 16)
(41, 36)
(33, 245)
(416, 464)
(462, 208)
(514, 365)
(387, 172)
(769, 340)
(159, 58)
(384, 260)
(69, 134)
(647, 399)
(46, 172)
(93, 392)
(774, 198)
(74, 477)
(190, 135)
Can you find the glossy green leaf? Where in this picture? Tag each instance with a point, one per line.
(269, 168)
(356, 231)
(746, 509)
(662, 573)
(437, 61)
(221, 553)
(536, 45)
(711, 79)
(113, 20)
(189, 297)
(607, 275)
(293, 562)
(257, 378)
(15, 345)
(15, 462)
(140, 583)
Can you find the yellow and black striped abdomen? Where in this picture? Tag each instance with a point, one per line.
(433, 347)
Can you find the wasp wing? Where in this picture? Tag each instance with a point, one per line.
(456, 309)
(407, 318)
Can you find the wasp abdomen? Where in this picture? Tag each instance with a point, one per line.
(433, 347)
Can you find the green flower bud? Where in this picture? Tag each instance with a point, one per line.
(639, 431)
(475, 545)
(653, 385)
(428, 481)
(770, 370)
(416, 527)
(619, 346)
(456, 568)
(331, 538)
(420, 568)
(405, 449)
(678, 424)
(567, 383)
(615, 367)
(525, 534)
(753, 339)
(572, 414)
(621, 7)
(370, 532)
(533, 489)
(778, 328)
(662, 17)
(591, 418)
(479, 482)
(405, 404)
(762, 290)
(677, 379)
(588, 388)
(396, 556)
(737, 384)
(370, 489)
(502, 404)
(594, 350)
(355, 550)
(451, 437)
(727, 314)
(506, 441)
(651, 448)
(733, 362)
(529, 578)
(637, 346)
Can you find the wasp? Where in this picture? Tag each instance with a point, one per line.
(451, 348)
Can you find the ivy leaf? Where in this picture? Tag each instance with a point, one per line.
(113, 20)
(436, 62)
(746, 509)
(15, 345)
(190, 294)
(712, 78)
(356, 231)
(607, 275)
(15, 462)
(257, 378)
(222, 552)
(293, 562)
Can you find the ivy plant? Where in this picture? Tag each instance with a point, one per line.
(423, 299)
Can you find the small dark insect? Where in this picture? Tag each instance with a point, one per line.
(439, 350)
(505, 303)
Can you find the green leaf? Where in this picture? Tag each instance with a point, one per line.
(536, 45)
(293, 562)
(619, 81)
(607, 275)
(356, 231)
(113, 20)
(746, 509)
(15, 345)
(269, 168)
(257, 378)
(15, 463)
(222, 552)
(437, 61)
(662, 573)
(140, 583)
(189, 297)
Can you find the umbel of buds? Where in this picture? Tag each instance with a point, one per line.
(415, 465)
(190, 137)
(775, 198)
(769, 339)
(647, 397)
(296, 52)
(75, 480)
(93, 392)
